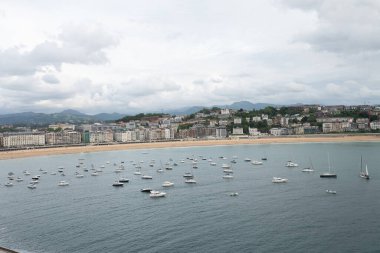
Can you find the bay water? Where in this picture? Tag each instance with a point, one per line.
(90, 215)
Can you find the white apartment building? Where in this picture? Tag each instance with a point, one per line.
(279, 131)
(237, 120)
(225, 111)
(375, 125)
(238, 131)
(62, 126)
(256, 119)
(101, 137)
(9, 140)
(221, 132)
(63, 137)
(253, 131)
(126, 136)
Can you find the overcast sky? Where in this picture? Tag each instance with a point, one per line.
(139, 56)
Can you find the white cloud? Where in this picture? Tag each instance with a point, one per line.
(152, 55)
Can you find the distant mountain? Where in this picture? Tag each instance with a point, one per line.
(245, 105)
(109, 116)
(66, 116)
(76, 117)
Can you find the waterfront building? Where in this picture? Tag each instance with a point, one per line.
(9, 140)
(279, 131)
(63, 137)
(237, 131)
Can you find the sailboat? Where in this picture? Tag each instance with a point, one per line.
(328, 174)
(310, 169)
(363, 173)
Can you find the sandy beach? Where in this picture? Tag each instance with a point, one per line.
(267, 140)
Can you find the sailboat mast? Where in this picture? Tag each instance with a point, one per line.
(361, 163)
(328, 159)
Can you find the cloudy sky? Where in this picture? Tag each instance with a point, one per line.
(140, 56)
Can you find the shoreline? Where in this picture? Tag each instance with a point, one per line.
(15, 154)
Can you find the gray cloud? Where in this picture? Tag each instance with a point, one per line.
(50, 79)
(75, 44)
(348, 26)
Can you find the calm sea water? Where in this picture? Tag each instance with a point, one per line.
(90, 215)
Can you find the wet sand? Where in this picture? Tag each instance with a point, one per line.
(149, 145)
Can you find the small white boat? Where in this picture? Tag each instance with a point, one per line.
(123, 180)
(225, 166)
(63, 183)
(228, 176)
(94, 173)
(228, 171)
(309, 169)
(31, 186)
(146, 190)
(257, 162)
(213, 163)
(291, 164)
(330, 192)
(190, 181)
(19, 179)
(118, 170)
(79, 175)
(157, 194)
(53, 173)
(247, 159)
(363, 173)
(34, 182)
(137, 173)
(117, 184)
(36, 177)
(188, 175)
(279, 180)
(26, 173)
(146, 177)
(167, 184)
(8, 184)
(182, 161)
(234, 194)
(160, 170)
(168, 168)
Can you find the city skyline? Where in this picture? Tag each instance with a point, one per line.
(128, 56)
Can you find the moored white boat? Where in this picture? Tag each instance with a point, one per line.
(225, 166)
(117, 184)
(157, 194)
(256, 162)
(31, 186)
(291, 164)
(63, 183)
(8, 184)
(167, 184)
(330, 191)
(190, 181)
(228, 176)
(279, 180)
(123, 180)
(146, 177)
(146, 190)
